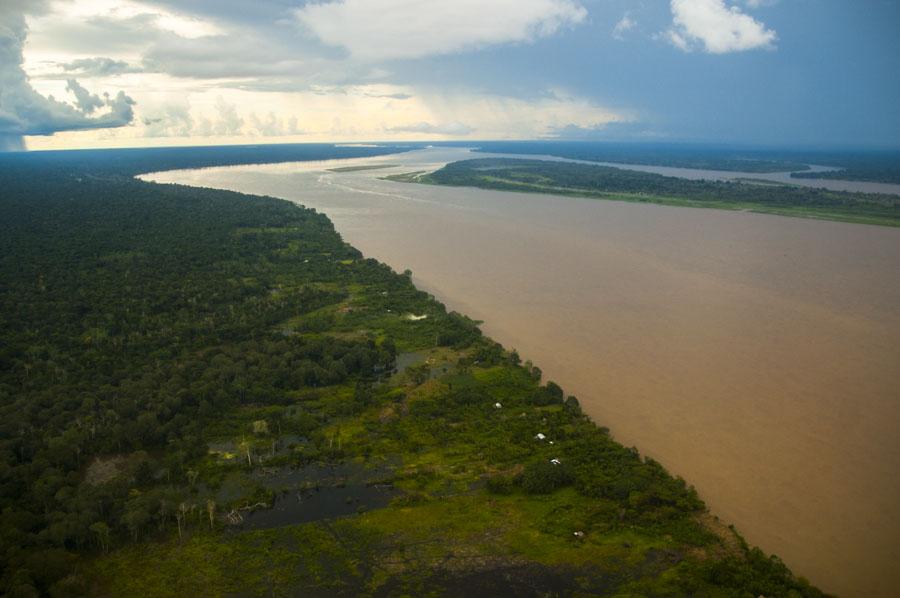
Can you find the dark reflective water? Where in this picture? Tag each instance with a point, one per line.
(315, 493)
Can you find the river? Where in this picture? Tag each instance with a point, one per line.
(755, 355)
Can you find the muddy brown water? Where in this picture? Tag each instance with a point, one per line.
(755, 355)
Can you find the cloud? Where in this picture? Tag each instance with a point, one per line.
(439, 111)
(390, 96)
(169, 120)
(91, 35)
(677, 40)
(174, 119)
(258, 12)
(229, 123)
(261, 72)
(23, 111)
(223, 56)
(453, 128)
(116, 33)
(272, 126)
(625, 24)
(718, 28)
(98, 67)
(84, 100)
(609, 131)
(28, 7)
(374, 30)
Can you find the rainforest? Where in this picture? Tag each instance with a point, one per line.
(204, 392)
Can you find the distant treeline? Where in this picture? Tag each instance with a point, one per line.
(874, 166)
(131, 161)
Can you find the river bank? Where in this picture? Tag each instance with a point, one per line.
(706, 338)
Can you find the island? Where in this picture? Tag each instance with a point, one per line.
(869, 165)
(606, 182)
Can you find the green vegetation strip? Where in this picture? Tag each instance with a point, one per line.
(175, 362)
(358, 168)
(603, 182)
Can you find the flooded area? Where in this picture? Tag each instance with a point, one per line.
(755, 355)
(315, 493)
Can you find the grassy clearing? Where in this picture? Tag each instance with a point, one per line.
(441, 443)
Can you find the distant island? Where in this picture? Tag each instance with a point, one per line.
(606, 182)
(360, 168)
(209, 393)
(878, 166)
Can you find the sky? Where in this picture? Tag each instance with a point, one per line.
(124, 73)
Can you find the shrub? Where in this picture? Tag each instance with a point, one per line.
(500, 484)
(543, 477)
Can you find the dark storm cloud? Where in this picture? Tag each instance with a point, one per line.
(23, 111)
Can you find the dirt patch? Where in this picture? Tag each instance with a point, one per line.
(105, 469)
(731, 543)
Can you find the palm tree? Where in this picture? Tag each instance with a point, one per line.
(245, 448)
(211, 511)
(102, 531)
(180, 516)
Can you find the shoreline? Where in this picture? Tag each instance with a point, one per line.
(471, 274)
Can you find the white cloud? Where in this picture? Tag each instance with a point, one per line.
(390, 29)
(123, 10)
(625, 24)
(169, 120)
(505, 117)
(273, 126)
(110, 31)
(677, 40)
(718, 28)
(228, 123)
(613, 131)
